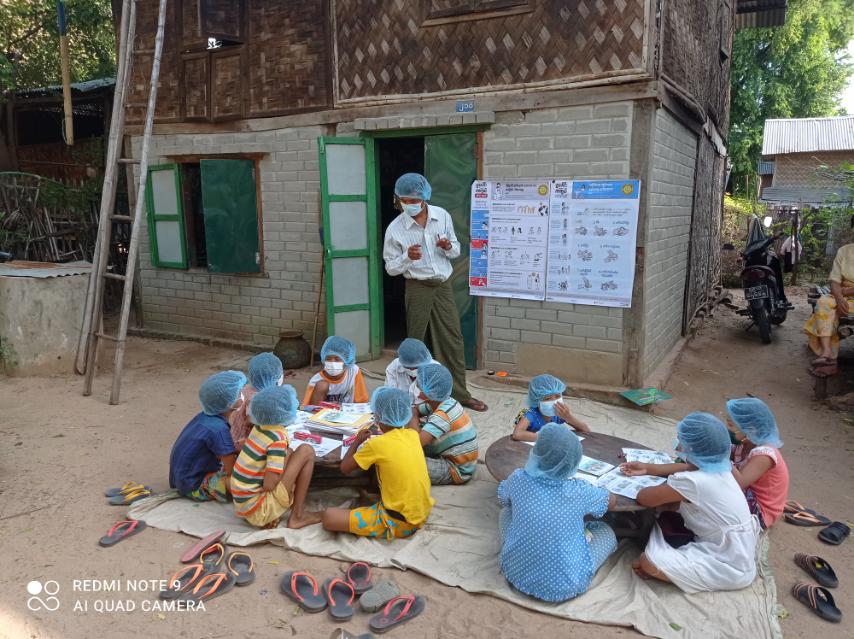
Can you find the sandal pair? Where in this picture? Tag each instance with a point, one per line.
(799, 515)
(128, 493)
(213, 575)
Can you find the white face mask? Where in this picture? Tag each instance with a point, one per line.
(281, 380)
(411, 209)
(547, 408)
(334, 368)
(412, 372)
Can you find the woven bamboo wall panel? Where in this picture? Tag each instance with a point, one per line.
(384, 50)
(227, 85)
(223, 18)
(195, 74)
(191, 25)
(288, 67)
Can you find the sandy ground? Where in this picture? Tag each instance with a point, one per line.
(59, 451)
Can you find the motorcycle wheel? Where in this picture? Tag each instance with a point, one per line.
(763, 321)
(778, 317)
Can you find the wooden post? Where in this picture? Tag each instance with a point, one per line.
(66, 73)
(796, 226)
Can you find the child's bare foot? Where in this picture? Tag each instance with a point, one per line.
(304, 519)
(639, 571)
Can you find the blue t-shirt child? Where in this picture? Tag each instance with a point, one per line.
(545, 552)
(536, 420)
(197, 450)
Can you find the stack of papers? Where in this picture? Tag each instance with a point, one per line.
(338, 422)
(646, 456)
(361, 409)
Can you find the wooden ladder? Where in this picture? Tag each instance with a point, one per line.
(92, 331)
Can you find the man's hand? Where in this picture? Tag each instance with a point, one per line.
(842, 307)
(414, 252)
(444, 243)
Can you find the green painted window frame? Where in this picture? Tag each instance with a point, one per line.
(154, 217)
(374, 305)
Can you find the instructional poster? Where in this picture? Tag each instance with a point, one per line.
(509, 236)
(567, 241)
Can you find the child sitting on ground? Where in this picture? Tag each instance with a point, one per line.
(203, 455)
(547, 549)
(721, 554)
(448, 436)
(405, 501)
(267, 480)
(265, 371)
(341, 380)
(411, 354)
(546, 405)
(760, 469)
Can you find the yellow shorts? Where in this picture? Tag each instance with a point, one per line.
(374, 521)
(271, 506)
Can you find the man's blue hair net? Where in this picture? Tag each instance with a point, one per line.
(219, 391)
(276, 405)
(435, 382)
(391, 406)
(755, 419)
(556, 454)
(413, 353)
(413, 185)
(340, 346)
(704, 441)
(265, 370)
(543, 386)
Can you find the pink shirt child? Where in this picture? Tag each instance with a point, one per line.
(771, 490)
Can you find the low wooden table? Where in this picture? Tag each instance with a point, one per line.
(327, 473)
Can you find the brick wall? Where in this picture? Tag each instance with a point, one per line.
(803, 169)
(668, 236)
(532, 337)
(247, 308)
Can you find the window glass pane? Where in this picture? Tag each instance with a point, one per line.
(349, 225)
(345, 167)
(163, 192)
(350, 280)
(168, 241)
(355, 326)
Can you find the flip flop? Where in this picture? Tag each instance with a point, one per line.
(378, 596)
(121, 530)
(240, 565)
(822, 361)
(835, 533)
(193, 551)
(793, 506)
(819, 600)
(125, 488)
(212, 556)
(340, 596)
(359, 576)
(476, 405)
(126, 499)
(805, 518)
(301, 587)
(818, 569)
(211, 585)
(402, 608)
(183, 579)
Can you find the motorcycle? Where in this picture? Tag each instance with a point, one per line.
(762, 280)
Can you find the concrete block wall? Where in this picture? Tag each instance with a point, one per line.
(671, 192)
(252, 309)
(530, 337)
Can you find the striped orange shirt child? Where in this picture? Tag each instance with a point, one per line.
(265, 450)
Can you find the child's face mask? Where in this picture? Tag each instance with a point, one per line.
(334, 368)
(547, 408)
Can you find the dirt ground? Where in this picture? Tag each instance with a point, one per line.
(59, 451)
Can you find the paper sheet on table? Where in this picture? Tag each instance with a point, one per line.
(620, 484)
(361, 409)
(594, 466)
(647, 456)
(326, 445)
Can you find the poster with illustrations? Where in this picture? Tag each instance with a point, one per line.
(509, 235)
(592, 241)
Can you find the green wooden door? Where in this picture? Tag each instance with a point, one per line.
(231, 216)
(450, 165)
(350, 256)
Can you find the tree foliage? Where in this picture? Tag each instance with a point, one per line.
(798, 70)
(29, 42)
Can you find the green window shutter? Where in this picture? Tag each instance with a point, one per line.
(231, 216)
(166, 217)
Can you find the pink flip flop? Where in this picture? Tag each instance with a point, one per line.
(196, 549)
(121, 530)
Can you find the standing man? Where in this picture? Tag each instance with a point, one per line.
(420, 244)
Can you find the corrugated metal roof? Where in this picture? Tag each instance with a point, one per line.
(806, 196)
(766, 168)
(805, 135)
(760, 13)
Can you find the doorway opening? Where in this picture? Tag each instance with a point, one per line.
(395, 156)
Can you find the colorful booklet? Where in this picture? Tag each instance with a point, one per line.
(645, 396)
(594, 467)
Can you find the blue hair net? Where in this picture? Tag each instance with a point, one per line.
(391, 406)
(413, 185)
(340, 346)
(755, 419)
(435, 382)
(543, 386)
(413, 353)
(556, 454)
(276, 405)
(265, 370)
(704, 441)
(219, 391)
